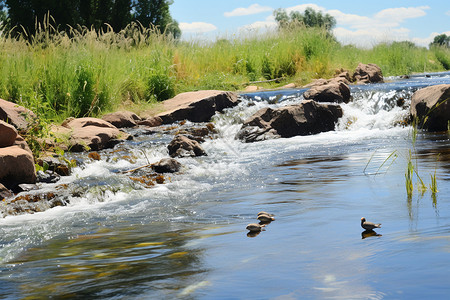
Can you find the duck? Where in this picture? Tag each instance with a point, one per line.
(369, 225)
(253, 227)
(265, 213)
(265, 218)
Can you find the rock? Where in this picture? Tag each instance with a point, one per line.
(4, 192)
(92, 134)
(16, 166)
(54, 164)
(47, 176)
(289, 86)
(306, 118)
(252, 88)
(431, 105)
(16, 115)
(151, 122)
(73, 123)
(197, 106)
(182, 146)
(167, 165)
(333, 91)
(122, 119)
(8, 134)
(367, 73)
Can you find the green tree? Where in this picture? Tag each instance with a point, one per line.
(97, 13)
(441, 40)
(156, 12)
(310, 18)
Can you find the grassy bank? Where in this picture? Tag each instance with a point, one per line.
(88, 73)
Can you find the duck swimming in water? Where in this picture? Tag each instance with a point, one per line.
(265, 213)
(369, 225)
(265, 218)
(253, 227)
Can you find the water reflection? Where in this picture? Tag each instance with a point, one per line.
(105, 263)
(369, 233)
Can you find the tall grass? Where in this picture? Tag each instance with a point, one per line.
(85, 72)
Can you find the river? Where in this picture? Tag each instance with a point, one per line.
(186, 238)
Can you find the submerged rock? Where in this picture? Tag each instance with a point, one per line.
(167, 165)
(431, 105)
(367, 73)
(182, 146)
(306, 118)
(197, 106)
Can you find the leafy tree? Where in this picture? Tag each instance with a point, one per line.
(441, 40)
(156, 12)
(310, 18)
(97, 13)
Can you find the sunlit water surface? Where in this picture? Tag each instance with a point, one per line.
(186, 238)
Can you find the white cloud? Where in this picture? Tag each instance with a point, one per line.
(267, 24)
(448, 13)
(197, 27)
(251, 10)
(366, 31)
(426, 41)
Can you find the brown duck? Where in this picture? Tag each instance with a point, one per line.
(369, 225)
(253, 227)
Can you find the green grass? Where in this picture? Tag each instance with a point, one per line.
(89, 73)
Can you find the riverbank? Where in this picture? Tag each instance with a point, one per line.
(91, 73)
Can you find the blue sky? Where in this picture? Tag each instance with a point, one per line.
(364, 23)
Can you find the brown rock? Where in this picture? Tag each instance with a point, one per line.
(197, 106)
(367, 73)
(16, 115)
(16, 166)
(167, 165)
(151, 122)
(4, 192)
(306, 118)
(182, 146)
(95, 138)
(8, 134)
(54, 164)
(84, 122)
(252, 88)
(122, 119)
(333, 91)
(431, 105)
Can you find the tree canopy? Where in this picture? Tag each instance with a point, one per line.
(441, 40)
(310, 18)
(117, 13)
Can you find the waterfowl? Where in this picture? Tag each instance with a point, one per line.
(265, 213)
(265, 218)
(253, 227)
(369, 225)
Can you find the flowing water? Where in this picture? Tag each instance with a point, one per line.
(186, 238)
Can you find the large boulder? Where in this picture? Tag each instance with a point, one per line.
(122, 119)
(306, 118)
(431, 105)
(92, 134)
(197, 106)
(16, 166)
(8, 134)
(333, 90)
(16, 115)
(367, 73)
(182, 146)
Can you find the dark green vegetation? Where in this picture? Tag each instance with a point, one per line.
(23, 15)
